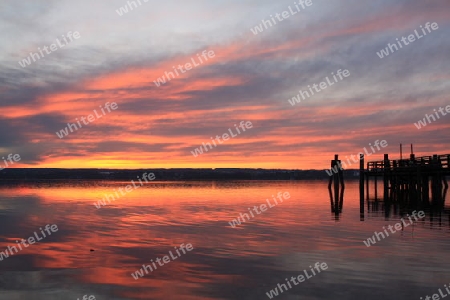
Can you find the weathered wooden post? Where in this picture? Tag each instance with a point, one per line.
(386, 171)
(376, 181)
(338, 179)
(434, 179)
(444, 178)
(367, 182)
(337, 163)
(438, 179)
(394, 179)
(361, 187)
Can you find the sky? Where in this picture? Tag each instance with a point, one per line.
(117, 57)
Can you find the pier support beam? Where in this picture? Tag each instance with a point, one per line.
(386, 171)
(361, 177)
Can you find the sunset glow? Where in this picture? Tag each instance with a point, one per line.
(251, 77)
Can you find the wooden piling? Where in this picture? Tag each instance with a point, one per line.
(337, 192)
(361, 187)
(386, 172)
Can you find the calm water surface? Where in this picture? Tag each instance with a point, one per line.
(226, 263)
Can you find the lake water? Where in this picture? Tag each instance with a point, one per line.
(244, 262)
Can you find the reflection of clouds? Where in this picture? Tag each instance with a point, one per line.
(18, 204)
(43, 285)
(14, 213)
(225, 263)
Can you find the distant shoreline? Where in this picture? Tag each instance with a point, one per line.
(221, 174)
(42, 175)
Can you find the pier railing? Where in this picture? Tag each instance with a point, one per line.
(433, 162)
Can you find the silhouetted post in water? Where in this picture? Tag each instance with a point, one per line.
(336, 182)
(444, 178)
(425, 186)
(444, 195)
(386, 169)
(419, 180)
(394, 180)
(376, 186)
(410, 184)
(367, 182)
(433, 178)
(361, 187)
(337, 178)
(436, 184)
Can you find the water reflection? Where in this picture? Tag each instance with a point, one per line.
(336, 201)
(400, 204)
(226, 263)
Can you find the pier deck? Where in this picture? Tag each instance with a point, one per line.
(411, 178)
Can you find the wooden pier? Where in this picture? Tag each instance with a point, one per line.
(409, 179)
(408, 184)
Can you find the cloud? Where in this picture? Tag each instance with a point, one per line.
(117, 59)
